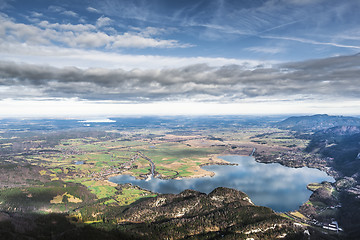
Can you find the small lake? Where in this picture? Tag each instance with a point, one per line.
(273, 185)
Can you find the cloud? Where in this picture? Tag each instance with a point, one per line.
(241, 19)
(350, 34)
(103, 21)
(309, 41)
(36, 14)
(297, 2)
(66, 27)
(79, 35)
(268, 50)
(83, 58)
(62, 10)
(335, 77)
(152, 31)
(69, 13)
(93, 10)
(139, 10)
(53, 8)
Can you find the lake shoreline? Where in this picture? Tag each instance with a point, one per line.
(260, 181)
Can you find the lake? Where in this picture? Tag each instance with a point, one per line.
(272, 185)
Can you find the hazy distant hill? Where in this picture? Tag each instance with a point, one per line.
(317, 122)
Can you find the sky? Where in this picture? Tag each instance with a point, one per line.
(87, 58)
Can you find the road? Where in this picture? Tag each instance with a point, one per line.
(152, 164)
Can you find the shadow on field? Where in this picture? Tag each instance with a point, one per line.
(51, 226)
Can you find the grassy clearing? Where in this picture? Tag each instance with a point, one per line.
(174, 152)
(285, 216)
(299, 215)
(165, 172)
(137, 172)
(130, 195)
(64, 198)
(314, 186)
(101, 189)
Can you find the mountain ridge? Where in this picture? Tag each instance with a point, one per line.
(316, 122)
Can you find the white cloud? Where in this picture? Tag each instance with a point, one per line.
(309, 41)
(151, 31)
(67, 27)
(56, 8)
(301, 2)
(134, 40)
(93, 10)
(70, 13)
(352, 34)
(103, 21)
(36, 14)
(62, 10)
(269, 50)
(78, 35)
(62, 57)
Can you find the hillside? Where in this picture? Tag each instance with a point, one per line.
(316, 122)
(340, 143)
(341, 146)
(222, 213)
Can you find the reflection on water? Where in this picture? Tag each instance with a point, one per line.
(272, 185)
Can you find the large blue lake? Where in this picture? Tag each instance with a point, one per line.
(272, 185)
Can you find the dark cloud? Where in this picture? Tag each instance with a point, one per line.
(322, 78)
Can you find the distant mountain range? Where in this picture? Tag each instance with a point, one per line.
(317, 122)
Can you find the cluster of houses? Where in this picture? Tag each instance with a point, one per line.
(114, 170)
(333, 226)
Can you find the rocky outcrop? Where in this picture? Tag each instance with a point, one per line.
(223, 212)
(187, 203)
